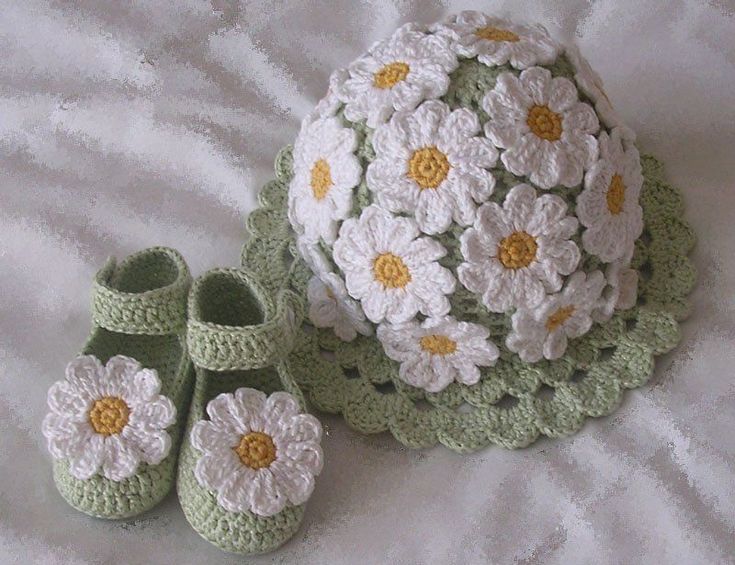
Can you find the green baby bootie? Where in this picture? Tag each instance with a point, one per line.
(116, 419)
(250, 453)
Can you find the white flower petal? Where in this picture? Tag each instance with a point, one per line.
(236, 494)
(215, 470)
(279, 409)
(86, 462)
(153, 445)
(268, 497)
(207, 436)
(120, 459)
(157, 414)
(293, 484)
(70, 401)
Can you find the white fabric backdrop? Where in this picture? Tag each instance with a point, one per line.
(130, 124)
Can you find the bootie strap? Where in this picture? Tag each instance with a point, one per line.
(229, 346)
(145, 294)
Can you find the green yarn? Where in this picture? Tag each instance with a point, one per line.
(139, 309)
(231, 317)
(514, 402)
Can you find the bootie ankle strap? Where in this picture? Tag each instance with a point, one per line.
(145, 294)
(235, 323)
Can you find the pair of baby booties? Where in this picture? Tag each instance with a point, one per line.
(188, 371)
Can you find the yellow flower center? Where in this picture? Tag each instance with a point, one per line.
(391, 271)
(428, 167)
(321, 179)
(390, 75)
(559, 317)
(616, 195)
(256, 450)
(109, 415)
(496, 34)
(438, 344)
(544, 123)
(518, 250)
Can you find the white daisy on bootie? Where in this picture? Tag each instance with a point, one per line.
(544, 331)
(516, 253)
(397, 74)
(495, 41)
(438, 351)
(608, 206)
(392, 271)
(108, 419)
(431, 163)
(325, 172)
(547, 133)
(259, 453)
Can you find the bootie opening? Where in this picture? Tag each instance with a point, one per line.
(155, 268)
(225, 300)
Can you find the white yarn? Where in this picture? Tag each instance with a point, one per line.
(534, 334)
(453, 138)
(434, 371)
(544, 219)
(547, 163)
(611, 236)
(330, 306)
(70, 433)
(289, 478)
(326, 147)
(429, 59)
(377, 233)
(530, 46)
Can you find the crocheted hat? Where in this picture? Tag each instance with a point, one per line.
(485, 255)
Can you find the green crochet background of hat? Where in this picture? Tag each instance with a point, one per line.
(514, 403)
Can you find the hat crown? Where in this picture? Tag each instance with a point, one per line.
(466, 190)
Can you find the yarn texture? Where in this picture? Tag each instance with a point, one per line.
(138, 308)
(229, 484)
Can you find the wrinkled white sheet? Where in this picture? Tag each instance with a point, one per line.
(130, 124)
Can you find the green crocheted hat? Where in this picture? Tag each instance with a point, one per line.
(485, 255)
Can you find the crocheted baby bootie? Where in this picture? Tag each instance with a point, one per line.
(250, 453)
(112, 428)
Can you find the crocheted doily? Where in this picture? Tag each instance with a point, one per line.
(519, 401)
(464, 215)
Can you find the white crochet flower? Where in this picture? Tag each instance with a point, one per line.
(397, 74)
(515, 254)
(591, 84)
(495, 41)
(430, 163)
(543, 331)
(438, 351)
(258, 453)
(621, 292)
(108, 419)
(546, 131)
(608, 206)
(392, 271)
(325, 172)
(331, 307)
